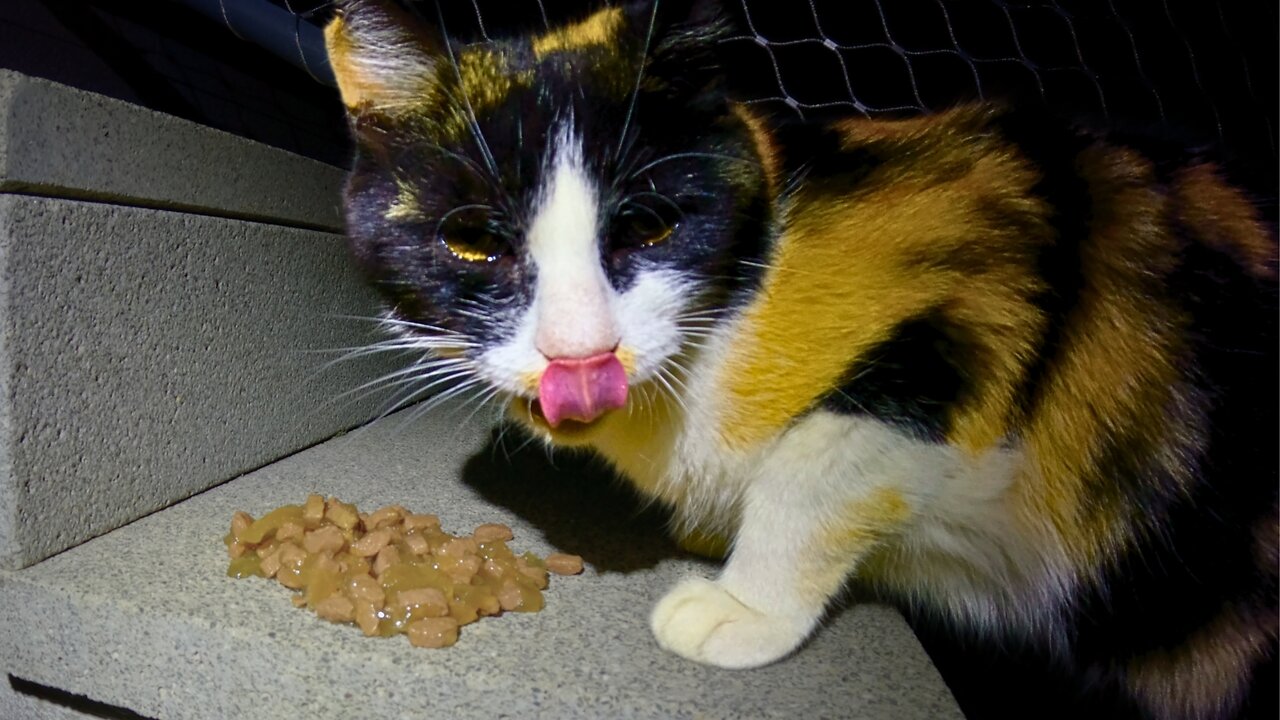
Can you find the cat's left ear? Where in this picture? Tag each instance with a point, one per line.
(684, 39)
(383, 58)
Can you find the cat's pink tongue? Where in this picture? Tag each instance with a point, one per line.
(582, 389)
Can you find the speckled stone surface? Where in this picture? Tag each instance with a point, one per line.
(15, 704)
(146, 355)
(60, 141)
(145, 618)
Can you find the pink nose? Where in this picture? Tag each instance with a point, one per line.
(582, 389)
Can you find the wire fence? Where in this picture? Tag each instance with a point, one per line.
(1203, 70)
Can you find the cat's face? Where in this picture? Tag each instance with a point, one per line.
(542, 212)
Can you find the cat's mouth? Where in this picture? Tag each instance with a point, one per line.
(565, 432)
(574, 396)
(566, 425)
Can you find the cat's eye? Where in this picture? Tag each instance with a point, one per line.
(642, 228)
(473, 246)
(657, 235)
(471, 237)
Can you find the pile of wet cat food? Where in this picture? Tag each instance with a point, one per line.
(390, 571)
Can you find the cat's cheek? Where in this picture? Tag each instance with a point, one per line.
(648, 317)
(513, 363)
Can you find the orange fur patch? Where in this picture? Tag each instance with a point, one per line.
(1223, 217)
(762, 139)
(366, 87)
(598, 29)
(1118, 359)
(847, 271)
(1208, 674)
(860, 526)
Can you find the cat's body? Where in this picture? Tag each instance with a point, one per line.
(1024, 378)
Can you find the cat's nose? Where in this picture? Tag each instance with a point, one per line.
(576, 319)
(582, 389)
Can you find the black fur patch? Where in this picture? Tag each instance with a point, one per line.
(914, 380)
(1199, 555)
(817, 153)
(1052, 148)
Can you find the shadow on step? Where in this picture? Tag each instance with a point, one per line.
(574, 499)
(78, 703)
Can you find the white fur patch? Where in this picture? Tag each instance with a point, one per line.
(506, 365)
(962, 545)
(575, 311)
(648, 314)
(573, 303)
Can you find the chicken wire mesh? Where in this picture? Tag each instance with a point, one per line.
(1202, 70)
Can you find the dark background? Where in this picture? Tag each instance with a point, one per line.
(1203, 70)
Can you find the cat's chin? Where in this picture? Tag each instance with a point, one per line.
(569, 433)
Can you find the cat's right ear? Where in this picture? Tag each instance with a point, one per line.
(682, 39)
(385, 59)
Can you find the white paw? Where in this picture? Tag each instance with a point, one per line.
(701, 621)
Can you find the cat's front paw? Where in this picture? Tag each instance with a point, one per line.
(701, 621)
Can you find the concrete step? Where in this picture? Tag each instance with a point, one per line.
(145, 619)
(164, 291)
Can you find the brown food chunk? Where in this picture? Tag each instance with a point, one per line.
(536, 575)
(327, 539)
(492, 532)
(367, 617)
(363, 587)
(313, 509)
(387, 557)
(336, 608)
(433, 632)
(564, 564)
(417, 544)
(341, 514)
(458, 548)
(489, 605)
(270, 565)
(240, 522)
(417, 522)
(509, 596)
(372, 543)
(383, 517)
(461, 569)
(424, 602)
(390, 571)
(290, 530)
(494, 569)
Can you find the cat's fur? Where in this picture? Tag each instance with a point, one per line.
(1023, 377)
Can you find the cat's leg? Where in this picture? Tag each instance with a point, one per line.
(825, 495)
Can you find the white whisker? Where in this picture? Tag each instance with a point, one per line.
(635, 93)
(684, 155)
(466, 101)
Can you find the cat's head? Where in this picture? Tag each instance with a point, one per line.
(559, 215)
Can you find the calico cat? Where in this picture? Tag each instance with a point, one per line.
(1019, 376)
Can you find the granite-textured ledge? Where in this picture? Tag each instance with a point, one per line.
(163, 286)
(146, 355)
(145, 619)
(63, 142)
